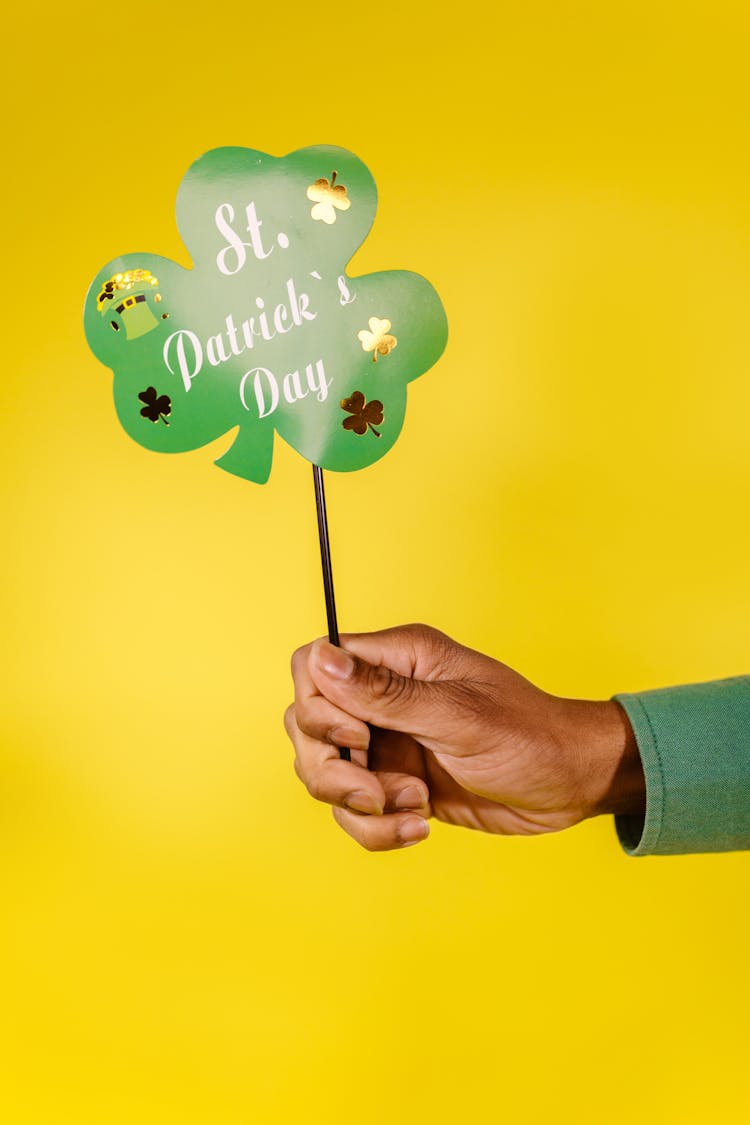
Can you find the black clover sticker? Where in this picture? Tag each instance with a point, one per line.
(157, 406)
(363, 414)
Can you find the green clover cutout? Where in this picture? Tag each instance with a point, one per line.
(266, 331)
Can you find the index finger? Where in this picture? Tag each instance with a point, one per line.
(316, 716)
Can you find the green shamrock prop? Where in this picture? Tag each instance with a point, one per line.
(266, 332)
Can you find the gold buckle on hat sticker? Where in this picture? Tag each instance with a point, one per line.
(130, 303)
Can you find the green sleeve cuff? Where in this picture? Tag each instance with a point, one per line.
(694, 743)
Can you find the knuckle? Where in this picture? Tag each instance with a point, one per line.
(289, 720)
(307, 711)
(385, 684)
(340, 817)
(427, 635)
(378, 681)
(430, 646)
(301, 718)
(439, 645)
(298, 661)
(316, 787)
(419, 631)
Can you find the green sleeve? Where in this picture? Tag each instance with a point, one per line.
(694, 743)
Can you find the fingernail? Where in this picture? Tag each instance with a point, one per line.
(335, 661)
(361, 801)
(410, 798)
(413, 830)
(343, 736)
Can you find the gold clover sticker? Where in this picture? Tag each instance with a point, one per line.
(328, 198)
(377, 339)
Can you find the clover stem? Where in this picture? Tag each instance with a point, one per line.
(333, 178)
(325, 559)
(374, 430)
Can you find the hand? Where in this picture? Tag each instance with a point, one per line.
(450, 733)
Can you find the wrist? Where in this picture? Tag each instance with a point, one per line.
(610, 767)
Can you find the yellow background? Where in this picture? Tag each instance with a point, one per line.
(186, 936)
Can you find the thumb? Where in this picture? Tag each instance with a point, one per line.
(373, 692)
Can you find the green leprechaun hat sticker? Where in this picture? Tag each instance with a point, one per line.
(266, 332)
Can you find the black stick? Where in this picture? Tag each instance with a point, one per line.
(325, 559)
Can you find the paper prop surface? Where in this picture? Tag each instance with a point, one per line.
(266, 331)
